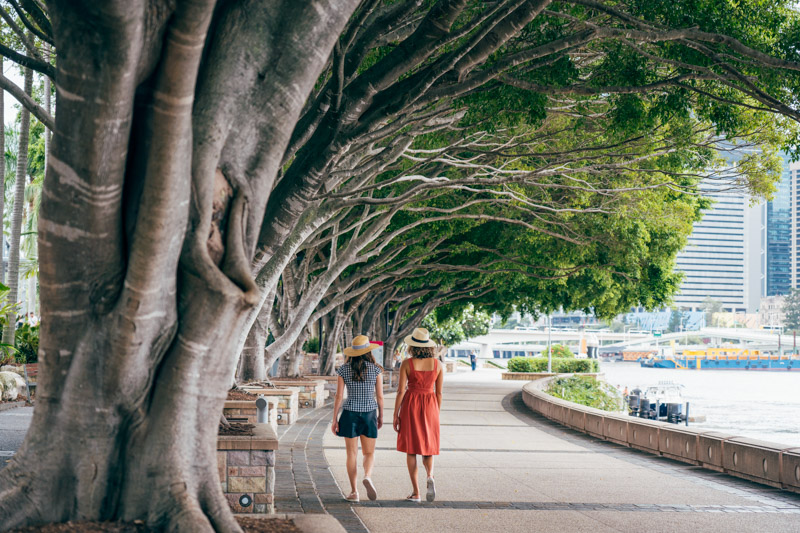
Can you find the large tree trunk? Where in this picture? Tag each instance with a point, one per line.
(157, 182)
(16, 214)
(334, 328)
(47, 105)
(252, 366)
(292, 359)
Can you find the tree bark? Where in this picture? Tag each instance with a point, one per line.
(47, 106)
(252, 366)
(166, 146)
(292, 359)
(334, 326)
(16, 214)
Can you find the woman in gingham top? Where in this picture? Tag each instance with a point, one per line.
(362, 415)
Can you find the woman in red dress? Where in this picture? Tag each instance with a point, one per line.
(416, 409)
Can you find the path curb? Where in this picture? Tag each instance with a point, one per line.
(11, 405)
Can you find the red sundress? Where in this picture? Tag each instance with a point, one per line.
(419, 414)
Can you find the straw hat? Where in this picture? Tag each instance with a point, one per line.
(420, 338)
(361, 345)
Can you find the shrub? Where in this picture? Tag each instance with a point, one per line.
(27, 341)
(559, 350)
(311, 345)
(586, 390)
(560, 365)
(520, 364)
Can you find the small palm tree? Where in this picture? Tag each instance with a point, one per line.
(16, 214)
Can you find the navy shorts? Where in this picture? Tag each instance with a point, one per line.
(354, 424)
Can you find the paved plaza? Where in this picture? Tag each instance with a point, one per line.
(503, 469)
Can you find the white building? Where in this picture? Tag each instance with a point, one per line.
(770, 313)
(725, 256)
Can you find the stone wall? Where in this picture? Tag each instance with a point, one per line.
(287, 402)
(391, 378)
(246, 411)
(768, 463)
(247, 470)
(329, 383)
(311, 392)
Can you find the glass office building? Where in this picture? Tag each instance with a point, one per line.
(779, 237)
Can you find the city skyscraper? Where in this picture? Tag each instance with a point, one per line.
(724, 258)
(779, 238)
(793, 174)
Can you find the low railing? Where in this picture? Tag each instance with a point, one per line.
(760, 461)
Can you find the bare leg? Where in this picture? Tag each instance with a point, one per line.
(427, 462)
(411, 461)
(368, 451)
(352, 460)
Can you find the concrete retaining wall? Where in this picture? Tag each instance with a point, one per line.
(763, 462)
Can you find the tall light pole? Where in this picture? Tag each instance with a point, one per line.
(549, 351)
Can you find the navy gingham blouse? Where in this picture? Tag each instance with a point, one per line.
(360, 394)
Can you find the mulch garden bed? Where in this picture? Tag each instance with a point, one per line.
(250, 525)
(270, 525)
(241, 396)
(239, 429)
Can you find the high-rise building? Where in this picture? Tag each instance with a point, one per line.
(794, 220)
(724, 256)
(779, 239)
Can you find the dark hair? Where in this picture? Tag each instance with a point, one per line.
(359, 364)
(421, 352)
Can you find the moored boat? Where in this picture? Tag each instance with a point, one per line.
(726, 359)
(659, 402)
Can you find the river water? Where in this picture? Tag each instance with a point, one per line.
(760, 405)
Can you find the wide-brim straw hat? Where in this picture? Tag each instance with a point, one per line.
(420, 338)
(361, 345)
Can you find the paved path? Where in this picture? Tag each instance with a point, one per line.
(503, 469)
(13, 426)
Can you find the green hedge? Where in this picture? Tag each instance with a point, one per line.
(560, 365)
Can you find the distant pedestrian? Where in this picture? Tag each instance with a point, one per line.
(416, 409)
(397, 359)
(473, 360)
(362, 415)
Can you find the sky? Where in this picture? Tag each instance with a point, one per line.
(11, 71)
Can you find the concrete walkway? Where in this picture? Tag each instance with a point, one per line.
(503, 469)
(13, 426)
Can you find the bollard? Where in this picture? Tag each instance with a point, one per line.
(262, 410)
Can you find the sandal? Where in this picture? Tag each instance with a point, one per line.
(353, 497)
(412, 498)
